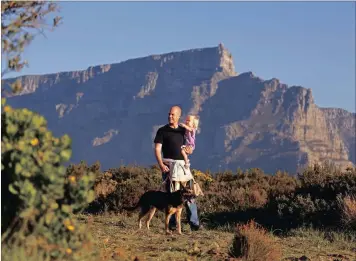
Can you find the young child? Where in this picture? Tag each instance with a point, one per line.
(191, 126)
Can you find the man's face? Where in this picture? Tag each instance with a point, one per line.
(174, 115)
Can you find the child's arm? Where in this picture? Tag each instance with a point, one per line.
(186, 126)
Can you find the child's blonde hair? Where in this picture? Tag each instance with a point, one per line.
(195, 120)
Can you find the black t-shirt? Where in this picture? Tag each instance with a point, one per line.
(171, 140)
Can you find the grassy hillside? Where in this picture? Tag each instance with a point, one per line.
(117, 238)
(247, 215)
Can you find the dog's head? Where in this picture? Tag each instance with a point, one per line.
(186, 194)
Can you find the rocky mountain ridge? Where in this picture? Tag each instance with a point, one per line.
(112, 113)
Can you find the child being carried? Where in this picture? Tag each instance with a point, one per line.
(191, 126)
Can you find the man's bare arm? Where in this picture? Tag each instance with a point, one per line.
(186, 126)
(158, 154)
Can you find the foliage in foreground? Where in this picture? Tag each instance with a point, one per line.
(40, 197)
(20, 22)
(39, 200)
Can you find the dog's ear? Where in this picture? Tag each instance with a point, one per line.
(188, 194)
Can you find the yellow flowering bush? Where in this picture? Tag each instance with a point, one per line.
(204, 177)
(40, 195)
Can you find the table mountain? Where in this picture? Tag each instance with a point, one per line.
(113, 111)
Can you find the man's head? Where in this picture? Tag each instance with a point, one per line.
(174, 115)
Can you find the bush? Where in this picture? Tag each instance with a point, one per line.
(81, 177)
(123, 186)
(280, 201)
(38, 197)
(347, 205)
(315, 201)
(241, 191)
(303, 209)
(253, 243)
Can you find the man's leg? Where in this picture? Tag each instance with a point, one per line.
(192, 213)
(172, 221)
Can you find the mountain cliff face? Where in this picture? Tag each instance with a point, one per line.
(112, 113)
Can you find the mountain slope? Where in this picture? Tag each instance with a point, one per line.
(113, 111)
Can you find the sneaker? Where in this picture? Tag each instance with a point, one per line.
(196, 227)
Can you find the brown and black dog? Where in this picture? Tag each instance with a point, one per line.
(170, 203)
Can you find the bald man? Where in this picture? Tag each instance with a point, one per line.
(169, 140)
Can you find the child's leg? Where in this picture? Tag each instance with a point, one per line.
(185, 156)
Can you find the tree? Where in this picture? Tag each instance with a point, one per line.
(20, 23)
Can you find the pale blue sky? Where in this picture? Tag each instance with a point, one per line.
(311, 44)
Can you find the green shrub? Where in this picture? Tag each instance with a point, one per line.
(123, 186)
(281, 200)
(37, 198)
(282, 184)
(316, 200)
(76, 191)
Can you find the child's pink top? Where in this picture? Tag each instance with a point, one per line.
(190, 138)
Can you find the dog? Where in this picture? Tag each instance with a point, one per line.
(170, 203)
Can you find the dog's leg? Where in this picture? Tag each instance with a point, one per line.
(142, 214)
(150, 216)
(168, 217)
(178, 218)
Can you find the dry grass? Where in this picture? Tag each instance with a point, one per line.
(348, 209)
(117, 238)
(254, 243)
(319, 245)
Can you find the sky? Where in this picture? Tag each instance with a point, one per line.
(311, 44)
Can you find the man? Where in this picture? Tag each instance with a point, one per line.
(169, 140)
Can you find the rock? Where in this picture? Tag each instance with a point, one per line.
(304, 258)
